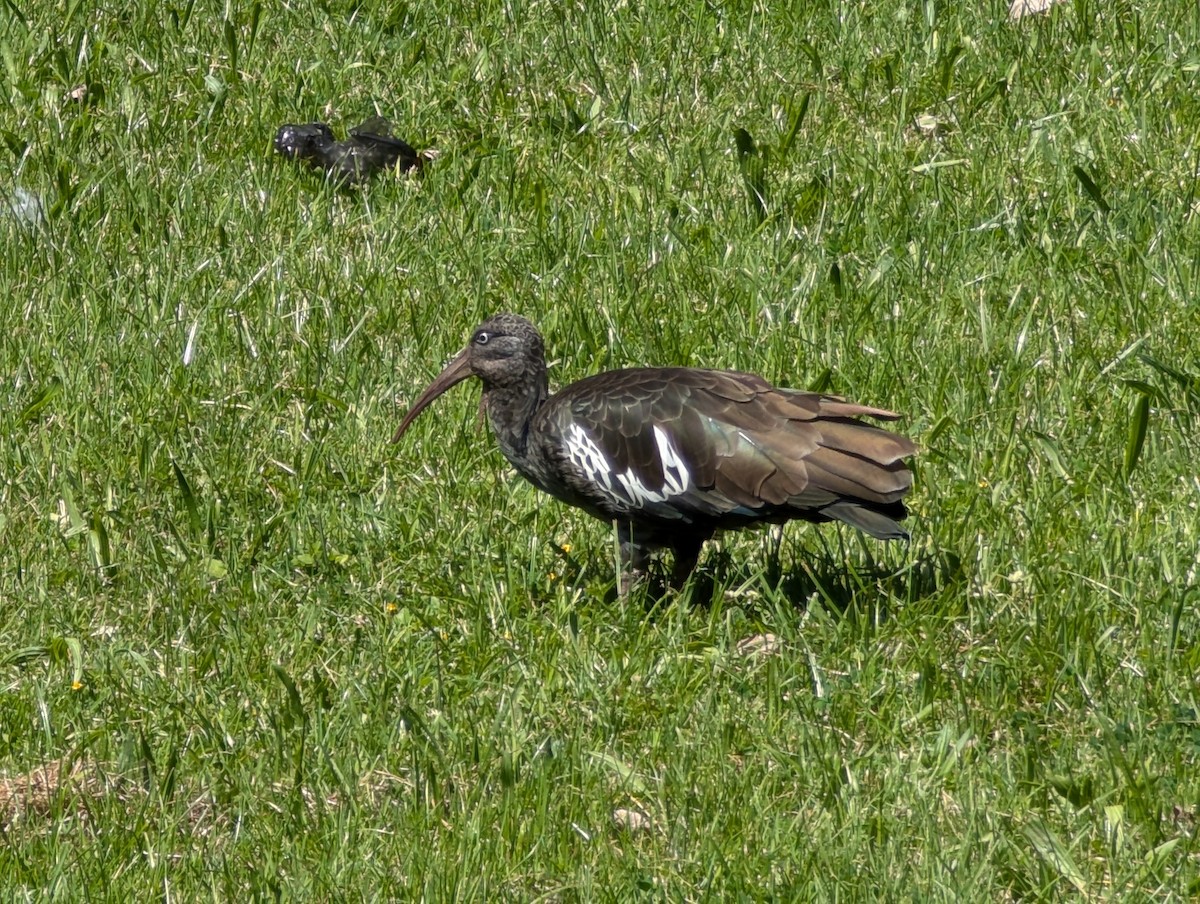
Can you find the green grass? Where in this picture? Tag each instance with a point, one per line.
(293, 661)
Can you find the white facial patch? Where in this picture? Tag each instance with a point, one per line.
(626, 489)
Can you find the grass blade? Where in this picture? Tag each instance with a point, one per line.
(24, 655)
(99, 544)
(255, 16)
(1137, 432)
(1189, 383)
(797, 118)
(1055, 854)
(1091, 188)
(189, 499)
(753, 164)
(295, 705)
(40, 402)
(1049, 450)
(231, 44)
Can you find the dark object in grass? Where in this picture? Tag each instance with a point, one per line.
(370, 149)
(674, 454)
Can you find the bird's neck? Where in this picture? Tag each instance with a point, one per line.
(511, 410)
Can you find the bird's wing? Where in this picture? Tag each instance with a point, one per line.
(680, 443)
(375, 126)
(376, 132)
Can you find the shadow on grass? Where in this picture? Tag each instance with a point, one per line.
(834, 579)
(836, 583)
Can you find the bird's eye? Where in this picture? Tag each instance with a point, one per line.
(482, 337)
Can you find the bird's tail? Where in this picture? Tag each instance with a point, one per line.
(881, 522)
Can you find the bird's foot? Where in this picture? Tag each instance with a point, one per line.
(633, 563)
(629, 579)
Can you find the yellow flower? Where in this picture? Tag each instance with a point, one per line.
(392, 607)
(76, 685)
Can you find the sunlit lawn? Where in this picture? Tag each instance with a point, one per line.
(271, 655)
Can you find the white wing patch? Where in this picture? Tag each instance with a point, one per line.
(626, 488)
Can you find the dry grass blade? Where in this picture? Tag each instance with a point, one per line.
(33, 793)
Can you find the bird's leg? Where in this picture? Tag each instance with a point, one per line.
(687, 553)
(634, 560)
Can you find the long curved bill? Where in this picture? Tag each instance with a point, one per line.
(454, 373)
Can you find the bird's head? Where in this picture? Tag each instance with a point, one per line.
(300, 141)
(506, 350)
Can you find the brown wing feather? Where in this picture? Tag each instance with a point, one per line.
(808, 453)
(753, 452)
